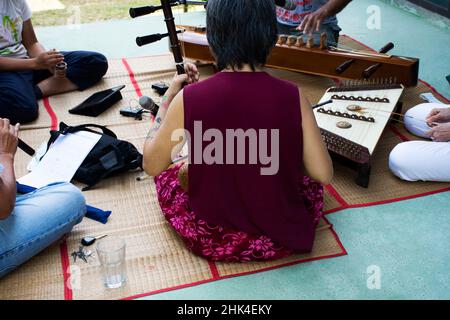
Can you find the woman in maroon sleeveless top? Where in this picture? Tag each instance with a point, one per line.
(255, 150)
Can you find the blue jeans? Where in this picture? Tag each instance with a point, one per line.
(39, 219)
(19, 91)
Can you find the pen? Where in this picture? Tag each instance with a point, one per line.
(322, 104)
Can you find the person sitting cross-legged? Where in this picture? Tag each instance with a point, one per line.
(27, 70)
(424, 160)
(254, 144)
(31, 222)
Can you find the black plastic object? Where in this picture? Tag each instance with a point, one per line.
(160, 88)
(132, 112)
(99, 102)
(26, 148)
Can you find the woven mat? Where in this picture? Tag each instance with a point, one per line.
(156, 259)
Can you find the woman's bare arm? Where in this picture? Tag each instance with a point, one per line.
(12, 64)
(161, 146)
(166, 137)
(39, 58)
(316, 159)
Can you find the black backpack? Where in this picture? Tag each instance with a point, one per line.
(109, 157)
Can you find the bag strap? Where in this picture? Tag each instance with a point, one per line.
(86, 127)
(65, 129)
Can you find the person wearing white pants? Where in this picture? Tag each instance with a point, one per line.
(424, 160)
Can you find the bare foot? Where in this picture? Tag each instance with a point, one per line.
(55, 85)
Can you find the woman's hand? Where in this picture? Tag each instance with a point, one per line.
(48, 60)
(8, 138)
(440, 132)
(191, 76)
(438, 115)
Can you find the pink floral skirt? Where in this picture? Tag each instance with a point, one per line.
(216, 243)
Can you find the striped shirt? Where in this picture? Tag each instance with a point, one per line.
(304, 7)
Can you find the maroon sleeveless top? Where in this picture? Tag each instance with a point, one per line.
(236, 195)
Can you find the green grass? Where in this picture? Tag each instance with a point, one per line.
(84, 11)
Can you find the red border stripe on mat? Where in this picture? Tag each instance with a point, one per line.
(65, 264)
(51, 113)
(376, 203)
(132, 78)
(214, 270)
(336, 195)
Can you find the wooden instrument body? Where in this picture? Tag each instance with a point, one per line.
(316, 61)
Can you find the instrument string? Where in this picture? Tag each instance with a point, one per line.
(338, 46)
(402, 115)
(385, 111)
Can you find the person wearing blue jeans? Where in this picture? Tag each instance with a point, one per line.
(31, 222)
(28, 72)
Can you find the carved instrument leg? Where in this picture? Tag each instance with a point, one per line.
(363, 176)
(397, 112)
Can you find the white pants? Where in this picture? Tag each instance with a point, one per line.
(421, 160)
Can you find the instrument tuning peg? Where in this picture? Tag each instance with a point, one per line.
(282, 39)
(310, 42)
(323, 41)
(292, 40)
(300, 42)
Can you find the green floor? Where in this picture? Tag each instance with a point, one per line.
(407, 241)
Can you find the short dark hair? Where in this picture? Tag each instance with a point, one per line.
(241, 31)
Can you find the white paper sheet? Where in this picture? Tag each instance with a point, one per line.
(62, 160)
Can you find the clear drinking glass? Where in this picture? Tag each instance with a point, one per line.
(111, 253)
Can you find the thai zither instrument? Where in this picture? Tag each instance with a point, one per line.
(352, 124)
(302, 55)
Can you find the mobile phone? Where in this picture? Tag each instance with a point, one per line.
(132, 112)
